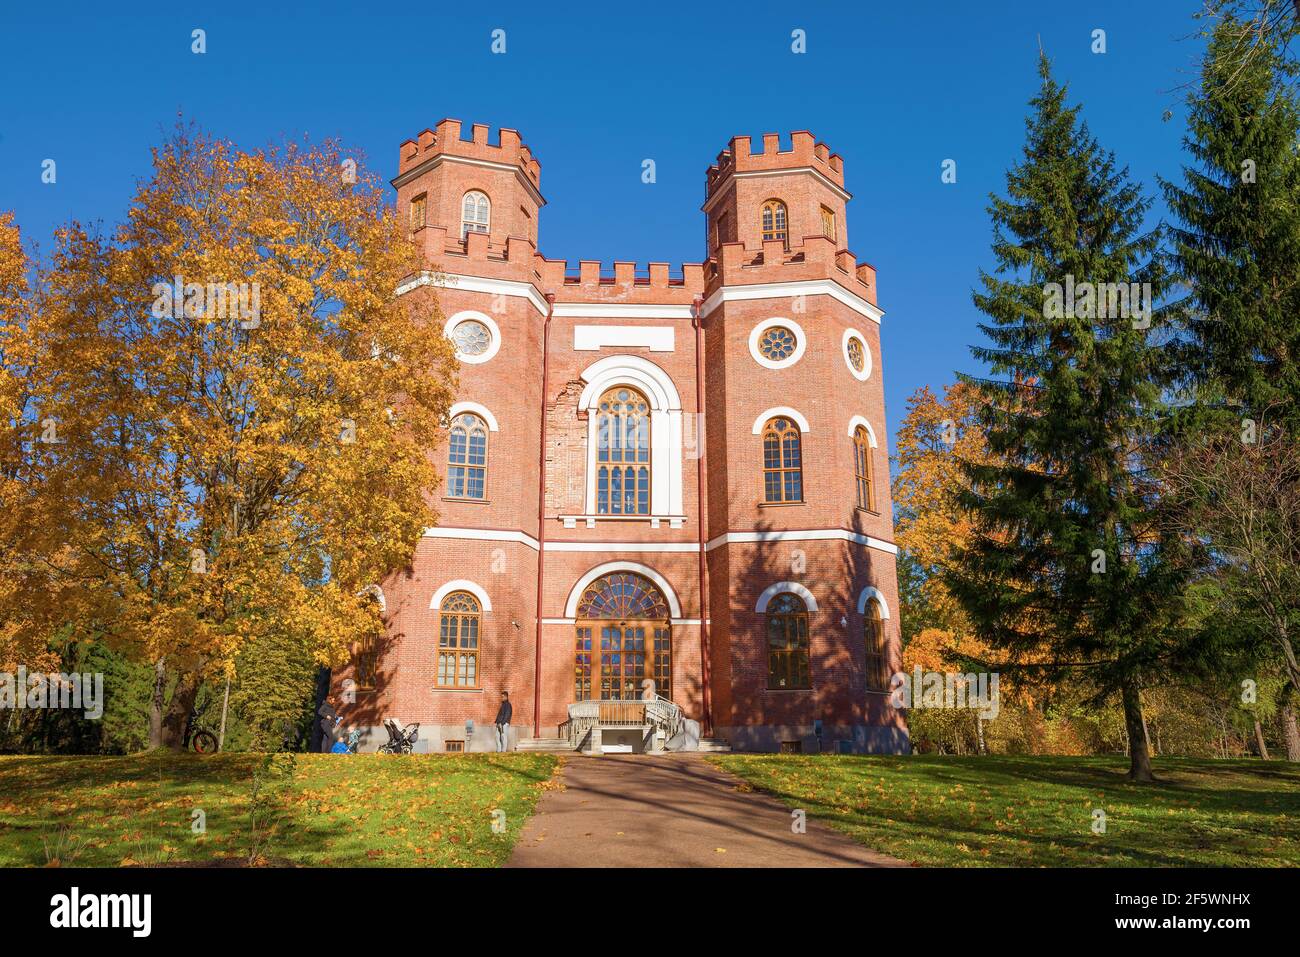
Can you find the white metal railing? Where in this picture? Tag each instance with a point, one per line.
(659, 712)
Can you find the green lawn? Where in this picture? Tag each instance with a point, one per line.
(1038, 811)
(415, 810)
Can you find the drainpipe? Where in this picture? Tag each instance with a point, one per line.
(541, 517)
(705, 696)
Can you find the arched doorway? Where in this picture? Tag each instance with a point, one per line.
(623, 636)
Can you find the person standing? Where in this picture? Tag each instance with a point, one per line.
(504, 714)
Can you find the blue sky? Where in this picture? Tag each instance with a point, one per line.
(597, 88)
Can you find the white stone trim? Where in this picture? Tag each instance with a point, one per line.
(850, 334)
(379, 597)
(571, 606)
(862, 421)
(771, 591)
(481, 535)
(621, 310)
(565, 546)
(654, 338)
(666, 490)
(800, 535)
(800, 343)
(574, 621)
(721, 189)
(461, 584)
(493, 287)
(786, 290)
(428, 165)
(465, 315)
(868, 593)
(476, 408)
(780, 410)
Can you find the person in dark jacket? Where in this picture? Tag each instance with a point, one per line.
(504, 714)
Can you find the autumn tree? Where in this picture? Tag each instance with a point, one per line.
(245, 412)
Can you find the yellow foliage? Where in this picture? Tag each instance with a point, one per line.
(239, 459)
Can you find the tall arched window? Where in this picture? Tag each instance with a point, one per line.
(623, 618)
(787, 642)
(774, 221)
(863, 468)
(623, 453)
(467, 457)
(458, 633)
(476, 213)
(782, 461)
(874, 627)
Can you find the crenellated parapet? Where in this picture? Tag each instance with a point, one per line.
(446, 139)
(804, 151)
(815, 258)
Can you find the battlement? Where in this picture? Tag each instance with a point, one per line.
(517, 259)
(653, 282)
(804, 151)
(815, 258)
(446, 138)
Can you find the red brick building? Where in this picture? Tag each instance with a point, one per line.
(687, 466)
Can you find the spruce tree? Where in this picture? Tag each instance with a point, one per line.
(1236, 243)
(1070, 574)
(1236, 247)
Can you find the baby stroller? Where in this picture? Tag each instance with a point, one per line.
(400, 740)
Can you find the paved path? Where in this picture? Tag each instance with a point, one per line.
(672, 810)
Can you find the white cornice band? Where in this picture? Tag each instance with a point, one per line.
(595, 310)
(764, 537)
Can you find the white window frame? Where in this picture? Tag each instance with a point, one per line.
(665, 429)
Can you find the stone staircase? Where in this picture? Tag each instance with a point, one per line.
(715, 745)
(543, 744)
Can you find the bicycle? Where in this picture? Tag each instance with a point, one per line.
(197, 737)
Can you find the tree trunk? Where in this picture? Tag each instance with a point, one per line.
(979, 733)
(1290, 733)
(178, 711)
(1259, 740)
(1139, 757)
(156, 703)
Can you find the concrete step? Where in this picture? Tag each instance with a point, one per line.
(543, 744)
(714, 744)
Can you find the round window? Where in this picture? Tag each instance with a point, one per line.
(472, 338)
(776, 343)
(855, 355)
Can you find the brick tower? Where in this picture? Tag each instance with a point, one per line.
(652, 479)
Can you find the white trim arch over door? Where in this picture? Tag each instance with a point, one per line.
(575, 595)
(665, 426)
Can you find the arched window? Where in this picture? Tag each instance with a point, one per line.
(787, 642)
(782, 461)
(874, 628)
(623, 618)
(863, 469)
(458, 632)
(467, 457)
(828, 223)
(623, 453)
(475, 213)
(774, 221)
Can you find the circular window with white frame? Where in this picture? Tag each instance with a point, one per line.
(777, 343)
(857, 354)
(475, 335)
